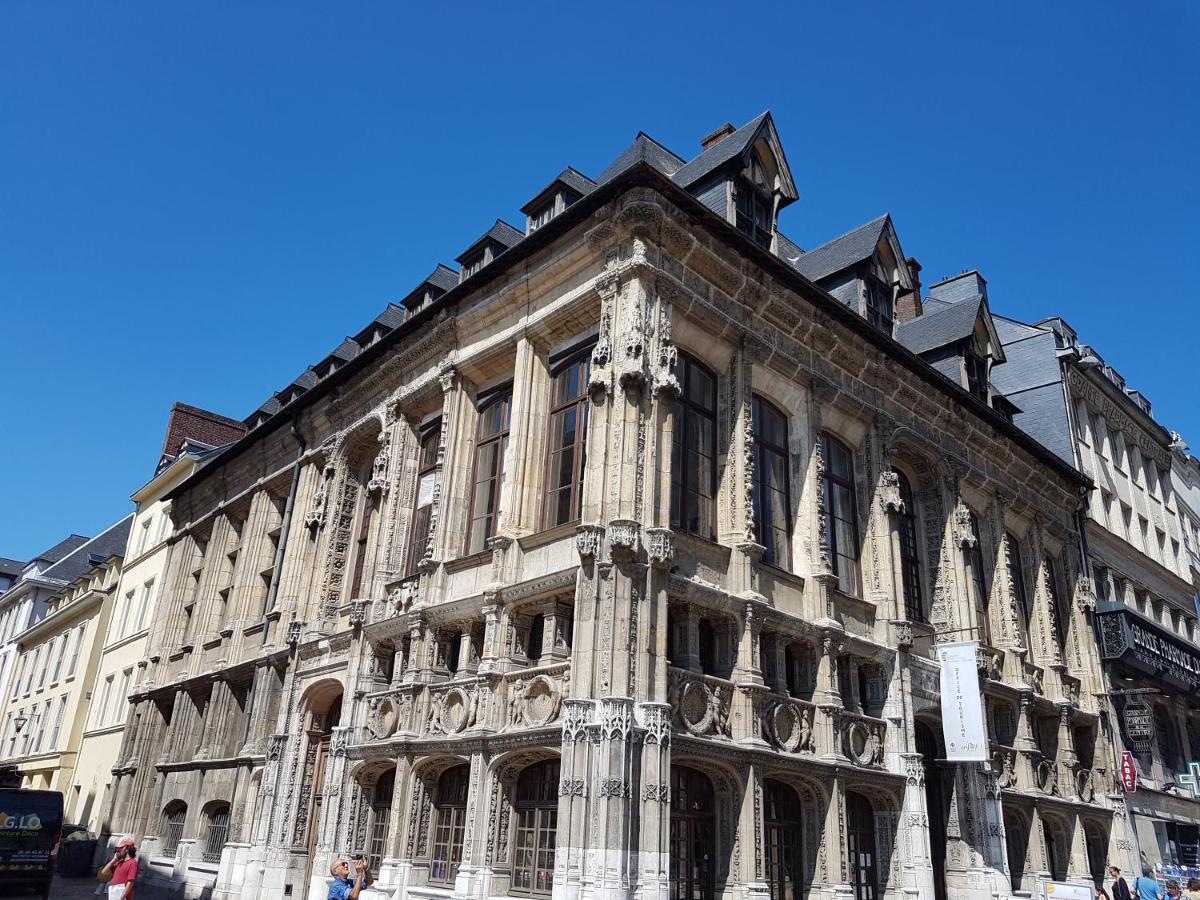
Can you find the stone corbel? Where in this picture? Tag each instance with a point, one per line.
(964, 534)
(889, 492)
(624, 537)
(589, 541)
(1085, 594)
(660, 546)
(358, 613)
(315, 517)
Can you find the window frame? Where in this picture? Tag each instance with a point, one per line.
(581, 405)
(215, 828)
(450, 818)
(832, 481)
(763, 449)
(880, 302)
(686, 409)
(170, 827)
(483, 442)
(541, 814)
(977, 578)
(1015, 563)
(429, 439)
(908, 533)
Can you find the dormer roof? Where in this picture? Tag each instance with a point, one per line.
(440, 280)
(643, 149)
(945, 323)
(392, 316)
(845, 251)
(568, 178)
(502, 235)
(738, 146)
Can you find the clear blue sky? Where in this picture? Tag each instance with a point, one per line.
(197, 200)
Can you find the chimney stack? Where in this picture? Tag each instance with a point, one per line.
(908, 304)
(717, 136)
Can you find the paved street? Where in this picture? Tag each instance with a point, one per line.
(72, 888)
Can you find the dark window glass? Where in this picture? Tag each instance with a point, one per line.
(880, 305)
(694, 451)
(753, 212)
(492, 441)
(536, 829)
(772, 494)
(568, 433)
(977, 382)
(1016, 575)
(692, 864)
(910, 553)
(841, 517)
(380, 818)
(453, 649)
(422, 511)
(450, 816)
(537, 630)
(979, 583)
(707, 641)
(215, 833)
(783, 842)
(361, 576)
(1055, 606)
(170, 829)
(860, 844)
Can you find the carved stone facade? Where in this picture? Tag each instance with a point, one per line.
(540, 717)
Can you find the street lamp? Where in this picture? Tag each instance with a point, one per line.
(20, 721)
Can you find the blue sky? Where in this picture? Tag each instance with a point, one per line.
(199, 200)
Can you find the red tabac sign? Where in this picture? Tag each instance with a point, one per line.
(1128, 772)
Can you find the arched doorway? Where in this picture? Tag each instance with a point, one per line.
(693, 835)
(860, 845)
(1016, 843)
(935, 803)
(535, 810)
(784, 841)
(323, 715)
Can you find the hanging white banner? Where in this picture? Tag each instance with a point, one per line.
(962, 703)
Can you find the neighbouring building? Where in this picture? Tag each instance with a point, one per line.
(1137, 533)
(193, 435)
(24, 602)
(613, 564)
(10, 571)
(57, 656)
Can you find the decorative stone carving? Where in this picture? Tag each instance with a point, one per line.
(624, 537)
(700, 707)
(294, 631)
(315, 517)
(660, 546)
(452, 711)
(1004, 766)
(656, 719)
(861, 739)
(383, 716)
(616, 718)
(589, 540)
(572, 787)
(889, 492)
(358, 613)
(1046, 774)
(1085, 785)
(914, 769)
(964, 534)
(613, 787)
(534, 703)
(789, 725)
(1085, 594)
(378, 482)
(659, 793)
(577, 717)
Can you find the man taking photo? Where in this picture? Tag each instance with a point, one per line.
(344, 887)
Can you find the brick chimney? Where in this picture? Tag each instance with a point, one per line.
(717, 136)
(191, 422)
(908, 304)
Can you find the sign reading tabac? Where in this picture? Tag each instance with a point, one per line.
(1128, 772)
(962, 703)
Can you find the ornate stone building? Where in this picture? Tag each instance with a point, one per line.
(612, 565)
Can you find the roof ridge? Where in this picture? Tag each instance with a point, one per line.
(852, 231)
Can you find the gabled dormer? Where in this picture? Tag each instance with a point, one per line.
(956, 335)
(491, 244)
(435, 284)
(392, 317)
(743, 175)
(342, 354)
(555, 197)
(864, 269)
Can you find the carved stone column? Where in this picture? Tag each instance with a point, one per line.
(916, 858)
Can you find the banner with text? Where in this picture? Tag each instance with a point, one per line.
(962, 703)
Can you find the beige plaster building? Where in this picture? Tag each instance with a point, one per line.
(613, 565)
(49, 695)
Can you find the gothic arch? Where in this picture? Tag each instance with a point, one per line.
(729, 786)
(502, 776)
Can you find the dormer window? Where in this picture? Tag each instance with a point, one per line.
(977, 374)
(753, 203)
(477, 263)
(553, 199)
(880, 304)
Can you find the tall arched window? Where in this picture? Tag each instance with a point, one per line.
(910, 553)
(536, 811)
(841, 513)
(860, 843)
(772, 493)
(975, 571)
(1016, 576)
(170, 828)
(693, 829)
(783, 842)
(216, 831)
(431, 436)
(359, 583)
(450, 818)
(380, 815)
(537, 635)
(694, 451)
(488, 476)
(566, 445)
(1060, 625)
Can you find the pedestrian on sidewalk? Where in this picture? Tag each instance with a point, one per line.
(121, 871)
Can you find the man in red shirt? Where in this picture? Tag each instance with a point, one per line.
(121, 871)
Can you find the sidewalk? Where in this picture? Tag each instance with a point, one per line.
(73, 888)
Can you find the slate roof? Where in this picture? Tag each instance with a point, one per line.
(643, 149)
(572, 178)
(787, 249)
(939, 327)
(11, 567)
(842, 252)
(502, 233)
(719, 154)
(62, 548)
(110, 542)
